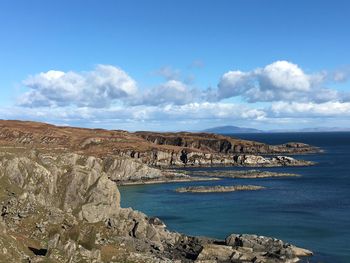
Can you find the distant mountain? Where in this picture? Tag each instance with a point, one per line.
(231, 129)
(234, 129)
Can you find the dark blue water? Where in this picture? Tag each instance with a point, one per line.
(311, 211)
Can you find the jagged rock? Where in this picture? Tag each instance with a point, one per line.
(123, 169)
(217, 253)
(265, 247)
(102, 202)
(301, 252)
(62, 181)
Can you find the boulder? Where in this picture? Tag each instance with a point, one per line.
(215, 253)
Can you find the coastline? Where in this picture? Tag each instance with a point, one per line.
(164, 181)
(61, 193)
(200, 176)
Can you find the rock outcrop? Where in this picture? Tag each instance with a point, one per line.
(222, 144)
(251, 248)
(193, 158)
(70, 182)
(65, 208)
(218, 188)
(246, 174)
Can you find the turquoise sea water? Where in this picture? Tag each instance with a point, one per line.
(311, 211)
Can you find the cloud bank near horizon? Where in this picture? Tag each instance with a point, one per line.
(280, 92)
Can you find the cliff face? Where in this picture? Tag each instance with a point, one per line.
(222, 144)
(69, 182)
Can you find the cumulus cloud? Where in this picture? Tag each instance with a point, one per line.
(100, 88)
(171, 92)
(283, 75)
(97, 88)
(279, 81)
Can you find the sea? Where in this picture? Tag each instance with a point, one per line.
(311, 211)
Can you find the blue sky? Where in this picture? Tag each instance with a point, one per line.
(176, 65)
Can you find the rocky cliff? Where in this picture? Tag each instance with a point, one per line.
(156, 149)
(64, 208)
(209, 142)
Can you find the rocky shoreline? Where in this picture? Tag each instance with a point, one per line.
(176, 176)
(60, 202)
(164, 180)
(218, 189)
(64, 208)
(150, 148)
(245, 174)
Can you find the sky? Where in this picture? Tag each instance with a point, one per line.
(176, 65)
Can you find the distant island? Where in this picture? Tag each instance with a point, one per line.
(230, 129)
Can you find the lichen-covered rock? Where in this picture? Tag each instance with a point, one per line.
(70, 182)
(215, 253)
(124, 169)
(102, 201)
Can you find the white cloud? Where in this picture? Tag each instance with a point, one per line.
(283, 76)
(279, 81)
(310, 109)
(108, 97)
(118, 114)
(207, 110)
(171, 92)
(97, 88)
(234, 83)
